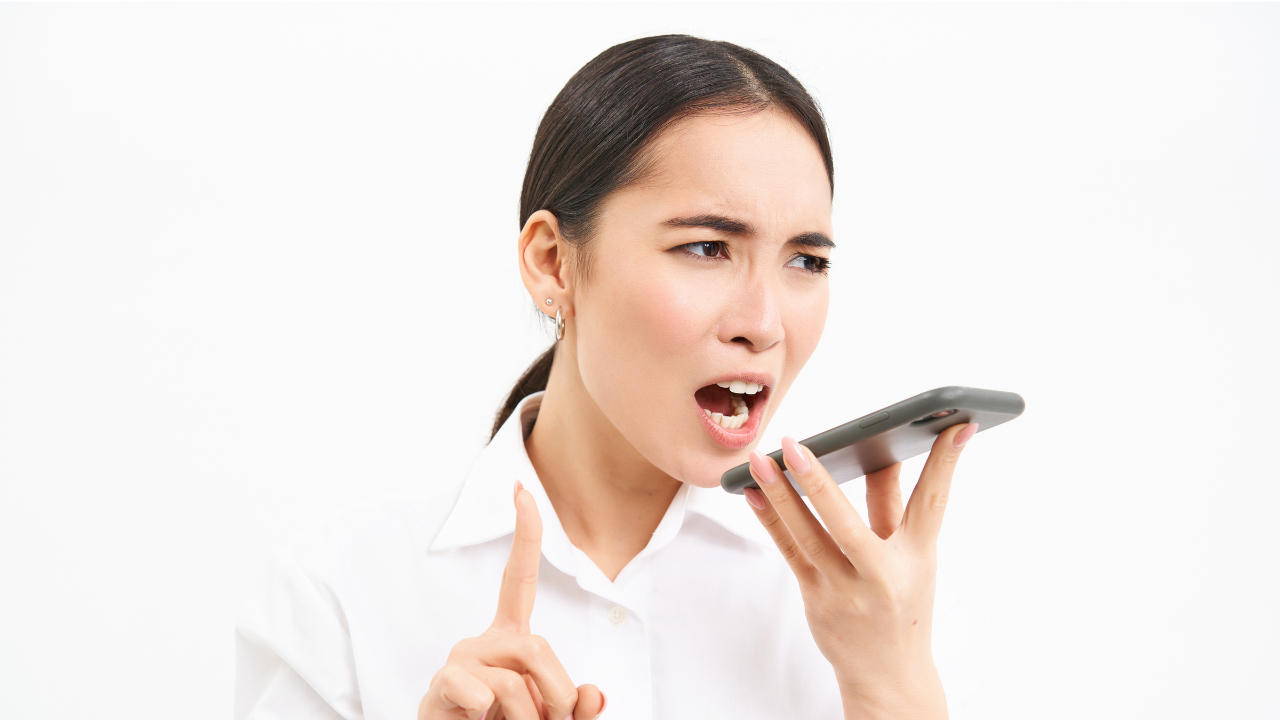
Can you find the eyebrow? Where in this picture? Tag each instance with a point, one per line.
(812, 239)
(737, 227)
(715, 222)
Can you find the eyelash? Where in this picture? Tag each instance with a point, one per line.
(813, 263)
(820, 265)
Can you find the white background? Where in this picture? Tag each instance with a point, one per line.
(257, 266)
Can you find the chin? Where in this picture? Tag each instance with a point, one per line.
(705, 472)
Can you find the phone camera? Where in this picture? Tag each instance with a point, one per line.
(935, 416)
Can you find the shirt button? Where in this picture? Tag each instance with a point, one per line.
(618, 615)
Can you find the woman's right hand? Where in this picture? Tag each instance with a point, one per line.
(508, 672)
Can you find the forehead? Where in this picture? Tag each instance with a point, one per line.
(761, 164)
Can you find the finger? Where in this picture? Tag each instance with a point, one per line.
(923, 518)
(591, 702)
(844, 524)
(531, 655)
(777, 530)
(538, 701)
(884, 500)
(453, 688)
(512, 695)
(813, 540)
(520, 577)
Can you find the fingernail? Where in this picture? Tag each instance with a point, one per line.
(604, 701)
(795, 456)
(516, 492)
(754, 497)
(966, 434)
(762, 467)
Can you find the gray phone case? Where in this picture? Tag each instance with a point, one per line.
(896, 433)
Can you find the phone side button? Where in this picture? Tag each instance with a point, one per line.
(877, 418)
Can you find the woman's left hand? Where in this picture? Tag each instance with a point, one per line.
(868, 591)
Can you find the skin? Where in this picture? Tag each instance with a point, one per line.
(868, 590)
(619, 429)
(663, 310)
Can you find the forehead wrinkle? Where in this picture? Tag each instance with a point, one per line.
(659, 169)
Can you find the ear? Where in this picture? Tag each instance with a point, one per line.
(544, 264)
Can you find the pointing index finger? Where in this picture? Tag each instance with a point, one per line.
(520, 577)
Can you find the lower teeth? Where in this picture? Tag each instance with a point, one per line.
(734, 421)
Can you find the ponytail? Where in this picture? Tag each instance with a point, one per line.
(533, 380)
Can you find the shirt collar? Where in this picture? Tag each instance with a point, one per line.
(484, 510)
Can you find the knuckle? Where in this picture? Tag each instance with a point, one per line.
(891, 597)
(448, 680)
(780, 498)
(531, 646)
(813, 546)
(510, 683)
(820, 487)
(539, 648)
(938, 500)
(530, 545)
(789, 551)
(464, 648)
(849, 533)
(808, 576)
(449, 675)
(827, 614)
(567, 699)
(440, 680)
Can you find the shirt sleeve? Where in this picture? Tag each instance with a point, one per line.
(293, 652)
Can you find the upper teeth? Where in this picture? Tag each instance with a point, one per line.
(740, 387)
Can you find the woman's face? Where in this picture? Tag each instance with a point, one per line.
(709, 272)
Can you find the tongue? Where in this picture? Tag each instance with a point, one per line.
(715, 399)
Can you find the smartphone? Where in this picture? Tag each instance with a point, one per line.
(896, 433)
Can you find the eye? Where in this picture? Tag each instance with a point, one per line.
(709, 250)
(811, 263)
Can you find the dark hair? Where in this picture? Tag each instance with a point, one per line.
(591, 139)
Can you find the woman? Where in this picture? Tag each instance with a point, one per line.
(676, 225)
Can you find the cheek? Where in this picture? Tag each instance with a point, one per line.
(804, 320)
(640, 337)
(643, 342)
(645, 337)
(803, 317)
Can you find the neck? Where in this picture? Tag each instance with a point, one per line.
(608, 497)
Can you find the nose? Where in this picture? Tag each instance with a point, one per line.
(753, 317)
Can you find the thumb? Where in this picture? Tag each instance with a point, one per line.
(591, 703)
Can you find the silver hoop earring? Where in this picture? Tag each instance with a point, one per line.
(559, 326)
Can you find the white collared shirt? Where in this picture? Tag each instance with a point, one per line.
(706, 622)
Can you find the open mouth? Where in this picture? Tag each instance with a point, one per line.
(733, 404)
